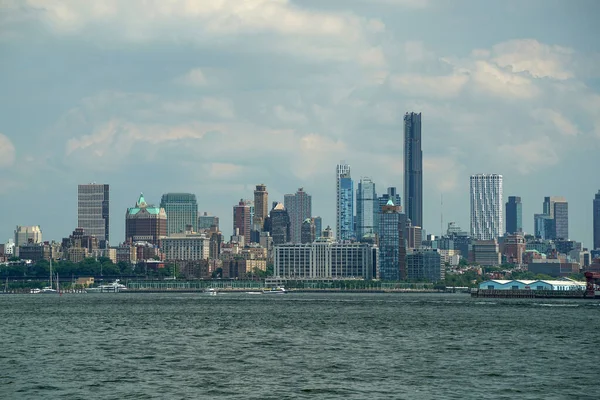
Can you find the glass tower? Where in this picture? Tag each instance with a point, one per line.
(182, 210)
(514, 215)
(344, 203)
(413, 169)
(597, 220)
(366, 208)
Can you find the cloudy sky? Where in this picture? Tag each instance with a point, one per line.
(215, 96)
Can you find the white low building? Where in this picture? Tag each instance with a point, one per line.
(563, 284)
(186, 246)
(325, 259)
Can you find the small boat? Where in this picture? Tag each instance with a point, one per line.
(114, 287)
(47, 290)
(211, 291)
(275, 290)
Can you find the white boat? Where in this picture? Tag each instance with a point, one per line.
(275, 290)
(114, 287)
(48, 289)
(211, 291)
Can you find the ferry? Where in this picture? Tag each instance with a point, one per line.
(114, 287)
(275, 290)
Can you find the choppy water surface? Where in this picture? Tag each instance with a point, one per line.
(325, 346)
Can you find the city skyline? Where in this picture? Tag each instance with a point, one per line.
(204, 116)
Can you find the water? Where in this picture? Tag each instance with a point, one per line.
(325, 346)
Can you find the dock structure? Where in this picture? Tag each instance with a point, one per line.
(528, 294)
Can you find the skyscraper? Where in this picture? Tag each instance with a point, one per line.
(487, 219)
(413, 169)
(145, 223)
(514, 215)
(344, 227)
(299, 208)
(182, 210)
(279, 221)
(543, 226)
(93, 211)
(206, 221)
(392, 246)
(261, 207)
(366, 208)
(242, 219)
(596, 214)
(561, 219)
(308, 234)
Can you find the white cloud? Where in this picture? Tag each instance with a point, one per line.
(537, 59)
(556, 120)
(7, 152)
(530, 155)
(502, 83)
(296, 30)
(194, 77)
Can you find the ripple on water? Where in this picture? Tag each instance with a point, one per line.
(301, 346)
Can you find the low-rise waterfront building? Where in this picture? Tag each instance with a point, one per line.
(565, 284)
(424, 264)
(553, 267)
(325, 259)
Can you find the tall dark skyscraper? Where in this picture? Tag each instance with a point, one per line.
(413, 169)
(93, 211)
(597, 221)
(514, 215)
(561, 220)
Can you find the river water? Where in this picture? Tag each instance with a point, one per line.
(318, 346)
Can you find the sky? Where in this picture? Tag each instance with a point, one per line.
(215, 96)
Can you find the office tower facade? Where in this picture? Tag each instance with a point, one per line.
(413, 169)
(543, 227)
(299, 208)
(308, 234)
(425, 264)
(392, 247)
(344, 206)
(367, 208)
(391, 194)
(242, 217)
(182, 210)
(487, 216)
(514, 215)
(27, 234)
(548, 206)
(561, 219)
(261, 207)
(145, 223)
(318, 227)
(596, 214)
(279, 223)
(93, 211)
(206, 221)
